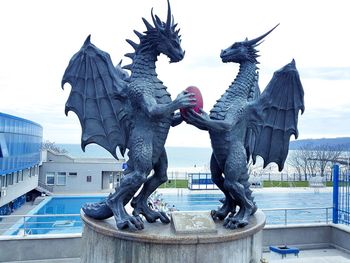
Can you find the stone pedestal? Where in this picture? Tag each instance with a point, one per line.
(103, 243)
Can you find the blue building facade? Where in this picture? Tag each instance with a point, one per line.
(20, 153)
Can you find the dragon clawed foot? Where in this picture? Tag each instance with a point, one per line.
(132, 222)
(223, 211)
(233, 222)
(150, 215)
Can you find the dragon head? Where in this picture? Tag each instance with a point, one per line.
(244, 50)
(162, 38)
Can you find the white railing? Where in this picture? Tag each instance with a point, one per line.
(23, 225)
(287, 216)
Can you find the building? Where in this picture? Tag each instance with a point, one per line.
(63, 173)
(20, 143)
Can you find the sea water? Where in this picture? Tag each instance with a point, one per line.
(178, 157)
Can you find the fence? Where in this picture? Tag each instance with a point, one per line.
(341, 194)
(200, 181)
(24, 225)
(307, 215)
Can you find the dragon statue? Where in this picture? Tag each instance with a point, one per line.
(129, 112)
(244, 123)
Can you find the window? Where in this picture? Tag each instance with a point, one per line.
(9, 179)
(17, 177)
(32, 171)
(3, 146)
(73, 174)
(50, 178)
(3, 181)
(61, 178)
(26, 173)
(88, 178)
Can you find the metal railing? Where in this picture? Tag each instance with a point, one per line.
(23, 225)
(285, 216)
(48, 188)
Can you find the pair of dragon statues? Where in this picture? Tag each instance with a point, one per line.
(135, 111)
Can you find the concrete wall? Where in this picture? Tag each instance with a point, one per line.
(69, 246)
(40, 247)
(308, 236)
(340, 236)
(79, 182)
(88, 167)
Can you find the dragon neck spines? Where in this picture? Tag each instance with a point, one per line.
(153, 37)
(245, 79)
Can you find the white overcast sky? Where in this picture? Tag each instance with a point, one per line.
(38, 38)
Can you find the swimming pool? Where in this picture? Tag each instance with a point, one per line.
(66, 205)
(265, 201)
(193, 201)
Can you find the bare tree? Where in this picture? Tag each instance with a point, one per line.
(312, 160)
(302, 160)
(327, 154)
(47, 145)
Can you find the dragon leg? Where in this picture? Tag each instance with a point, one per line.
(248, 193)
(116, 202)
(139, 203)
(234, 175)
(100, 210)
(228, 203)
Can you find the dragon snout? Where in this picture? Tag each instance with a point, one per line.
(177, 56)
(223, 52)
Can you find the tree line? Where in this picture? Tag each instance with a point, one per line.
(312, 159)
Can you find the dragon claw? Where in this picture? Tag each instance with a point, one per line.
(134, 223)
(216, 214)
(232, 222)
(150, 215)
(224, 210)
(164, 218)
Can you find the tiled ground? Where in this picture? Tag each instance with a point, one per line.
(329, 255)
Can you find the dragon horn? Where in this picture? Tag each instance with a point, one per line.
(148, 25)
(87, 40)
(169, 18)
(256, 40)
(154, 20)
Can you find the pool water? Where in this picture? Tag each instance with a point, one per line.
(72, 205)
(53, 224)
(264, 201)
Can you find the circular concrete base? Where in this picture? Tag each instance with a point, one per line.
(103, 243)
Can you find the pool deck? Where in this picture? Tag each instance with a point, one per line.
(58, 260)
(328, 255)
(23, 210)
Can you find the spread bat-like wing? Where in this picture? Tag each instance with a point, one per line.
(274, 117)
(98, 97)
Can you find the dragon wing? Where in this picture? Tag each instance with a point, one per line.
(98, 97)
(274, 117)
